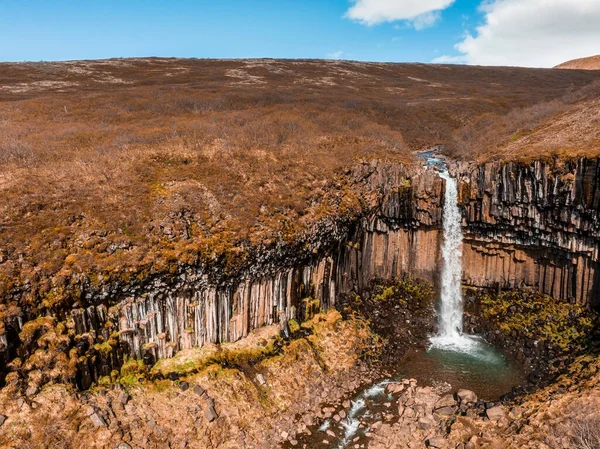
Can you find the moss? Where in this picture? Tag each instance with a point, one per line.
(294, 326)
(558, 324)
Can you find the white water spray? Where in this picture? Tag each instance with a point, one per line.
(450, 334)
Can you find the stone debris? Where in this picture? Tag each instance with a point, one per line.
(210, 414)
(97, 420)
(495, 413)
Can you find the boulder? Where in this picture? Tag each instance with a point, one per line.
(495, 413)
(97, 420)
(395, 388)
(467, 396)
(426, 422)
(437, 442)
(445, 411)
(445, 401)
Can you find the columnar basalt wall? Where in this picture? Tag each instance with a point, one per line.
(524, 224)
(534, 224)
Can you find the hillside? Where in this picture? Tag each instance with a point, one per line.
(589, 63)
(126, 167)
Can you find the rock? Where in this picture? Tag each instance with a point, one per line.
(445, 401)
(495, 413)
(395, 388)
(467, 396)
(199, 390)
(445, 411)
(260, 379)
(123, 397)
(183, 386)
(97, 420)
(89, 410)
(31, 391)
(437, 442)
(426, 422)
(409, 413)
(516, 412)
(331, 433)
(210, 414)
(2, 419)
(342, 414)
(123, 445)
(284, 435)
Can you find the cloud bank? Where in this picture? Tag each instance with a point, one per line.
(419, 13)
(531, 33)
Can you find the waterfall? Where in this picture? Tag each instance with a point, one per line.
(451, 307)
(450, 324)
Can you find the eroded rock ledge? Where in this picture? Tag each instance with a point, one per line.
(533, 224)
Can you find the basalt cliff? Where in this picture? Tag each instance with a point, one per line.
(526, 224)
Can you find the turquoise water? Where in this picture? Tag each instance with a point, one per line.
(478, 367)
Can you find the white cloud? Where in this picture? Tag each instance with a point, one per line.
(335, 55)
(420, 13)
(447, 59)
(532, 33)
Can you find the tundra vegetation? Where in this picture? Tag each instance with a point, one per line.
(114, 170)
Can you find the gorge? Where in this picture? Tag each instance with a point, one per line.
(213, 244)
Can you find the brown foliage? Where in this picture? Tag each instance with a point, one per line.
(124, 166)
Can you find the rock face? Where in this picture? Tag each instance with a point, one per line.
(525, 224)
(534, 225)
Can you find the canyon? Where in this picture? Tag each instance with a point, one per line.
(265, 259)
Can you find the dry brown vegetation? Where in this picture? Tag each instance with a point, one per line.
(589, 63)
(124, 167)
(568, 127)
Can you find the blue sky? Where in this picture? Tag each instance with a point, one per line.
(375, 30)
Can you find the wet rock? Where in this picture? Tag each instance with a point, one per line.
(395, 388)
(467, 396)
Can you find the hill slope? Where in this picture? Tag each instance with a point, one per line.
(589, 63)
(109, 166)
